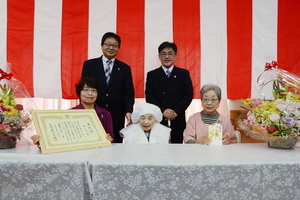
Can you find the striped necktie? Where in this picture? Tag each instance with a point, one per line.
(107, 70)
(168, 73)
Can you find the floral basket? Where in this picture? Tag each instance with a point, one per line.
(275, 121)
(283, 143)
(8, 141)
(13, 119)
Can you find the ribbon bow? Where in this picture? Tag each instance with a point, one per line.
(268, 66)
(271, 65)
(4, 75)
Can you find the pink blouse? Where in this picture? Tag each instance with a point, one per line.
(195, 128)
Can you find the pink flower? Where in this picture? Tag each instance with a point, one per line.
(4, 128)
(248, 122)
(251, 118)
(25, 120)
(255, 102)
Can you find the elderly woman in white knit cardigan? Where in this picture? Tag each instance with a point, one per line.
(146, 127)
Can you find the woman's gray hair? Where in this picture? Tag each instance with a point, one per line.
(207, 87)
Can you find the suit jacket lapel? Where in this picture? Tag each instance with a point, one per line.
(165, 80)
(101, 70)
(173, 74)
(161, 75)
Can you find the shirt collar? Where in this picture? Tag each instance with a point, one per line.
(105, 59)
(165, 69)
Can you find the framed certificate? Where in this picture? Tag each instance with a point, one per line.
(68, 130)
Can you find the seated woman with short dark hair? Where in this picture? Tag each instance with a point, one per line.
(87, 91)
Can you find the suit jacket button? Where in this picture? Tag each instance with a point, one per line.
(107, 95)
(164, 93)
(106, 105)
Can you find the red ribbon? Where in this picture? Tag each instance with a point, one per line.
(4, 75)
(271, 65)
(268, 66)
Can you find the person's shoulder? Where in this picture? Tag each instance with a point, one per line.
(93, 60)
(101, 110)
(132, 128)
(163, 127)
(155, 70)
(181, 70)
(79, 106)
(195, 115)
(122, 64)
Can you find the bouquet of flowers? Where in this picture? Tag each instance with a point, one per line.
(278, 120)
(13, 120)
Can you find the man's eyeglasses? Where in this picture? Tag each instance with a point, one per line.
(115, 46)
(165, 54)
(87, 90)
(210, 100)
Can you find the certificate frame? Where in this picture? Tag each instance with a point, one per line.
(69, 130)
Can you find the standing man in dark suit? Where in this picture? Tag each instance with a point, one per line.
(116, 92)
(170, 88)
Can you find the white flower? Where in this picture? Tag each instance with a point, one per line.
(281, 107)
(274, 117)
(279, 101)
(251, 117)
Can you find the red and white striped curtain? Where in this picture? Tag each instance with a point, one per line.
(221, 42)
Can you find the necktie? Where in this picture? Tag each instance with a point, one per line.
(168, 73)
(107, 70)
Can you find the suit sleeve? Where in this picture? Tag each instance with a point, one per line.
(85, 70)
(187, 95)
(128, 95)
(150, 91)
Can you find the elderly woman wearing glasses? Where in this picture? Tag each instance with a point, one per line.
(146, 127)
(197, 127)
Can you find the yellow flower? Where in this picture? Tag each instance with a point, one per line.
(11, 111)
(246, 101)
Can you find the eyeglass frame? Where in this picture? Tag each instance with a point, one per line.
(87, 90)
(213, 101)
(108, 45)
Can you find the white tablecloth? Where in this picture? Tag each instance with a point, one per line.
(191, 171)
(127, 171)
(25, 173)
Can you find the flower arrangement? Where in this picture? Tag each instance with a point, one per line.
(285, 84)
(275, 119)
(279, 118)
(13, 120)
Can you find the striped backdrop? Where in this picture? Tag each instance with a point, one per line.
(221, 42)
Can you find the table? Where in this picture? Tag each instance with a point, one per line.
(191, 171)
(25, 173)
(152, 171)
